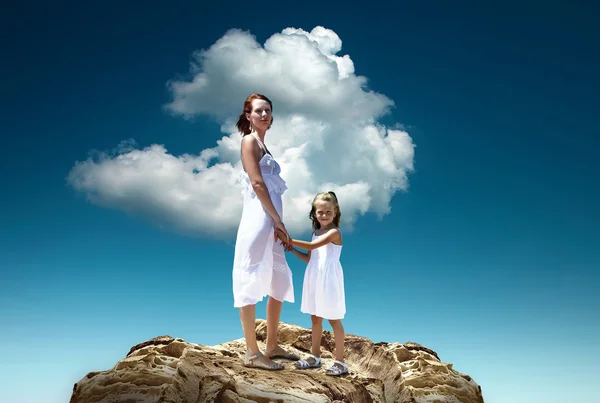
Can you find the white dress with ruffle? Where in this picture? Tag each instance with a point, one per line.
(323, 289)
(259, 265)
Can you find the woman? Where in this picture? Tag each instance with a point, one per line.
(259, 267)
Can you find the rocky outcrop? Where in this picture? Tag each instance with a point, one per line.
(171, 370)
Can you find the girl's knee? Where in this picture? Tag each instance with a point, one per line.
(336, 324)
(316, 320)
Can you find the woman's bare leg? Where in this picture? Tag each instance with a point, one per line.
(248, 318)
(273, 315)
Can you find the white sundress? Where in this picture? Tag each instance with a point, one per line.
(259, 265)
(323, 289)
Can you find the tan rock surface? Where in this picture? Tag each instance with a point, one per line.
(171, 370)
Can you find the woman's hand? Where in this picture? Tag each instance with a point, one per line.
(287, 246)
(281, 232)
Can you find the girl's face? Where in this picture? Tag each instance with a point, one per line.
(325, 212)
(260, 117)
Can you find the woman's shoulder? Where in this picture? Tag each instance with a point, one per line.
(248, 139)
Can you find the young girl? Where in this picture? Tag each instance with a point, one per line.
(323, 289)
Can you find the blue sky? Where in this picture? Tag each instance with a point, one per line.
(489, 258)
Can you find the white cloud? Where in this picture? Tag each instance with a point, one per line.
(325, 135)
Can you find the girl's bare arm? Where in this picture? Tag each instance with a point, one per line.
(304, 256)
(332, 235)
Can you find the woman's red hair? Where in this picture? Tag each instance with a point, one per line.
(243, 124)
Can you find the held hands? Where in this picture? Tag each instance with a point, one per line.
(284, 237)
(280, 229)
(287, 245)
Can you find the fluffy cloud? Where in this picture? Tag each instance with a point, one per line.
(325, 135)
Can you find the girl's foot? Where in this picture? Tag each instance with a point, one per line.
(311, 362)
(338, 368)
(279, 352)
(260, 361)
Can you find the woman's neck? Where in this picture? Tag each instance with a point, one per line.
(259, 134)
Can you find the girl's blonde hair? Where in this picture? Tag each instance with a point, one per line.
(328, 197)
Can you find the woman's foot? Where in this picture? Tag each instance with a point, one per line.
(260, 361)
(338, 368)
(279, 352)
(311, 362)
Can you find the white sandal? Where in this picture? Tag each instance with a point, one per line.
(335, 370)
(253, 361)
(304, 364)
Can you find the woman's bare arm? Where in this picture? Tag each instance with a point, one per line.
(250, 160)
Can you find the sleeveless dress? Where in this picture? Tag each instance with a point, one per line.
(259, 264)
(323, 289)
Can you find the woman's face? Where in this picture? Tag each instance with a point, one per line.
(261, 115)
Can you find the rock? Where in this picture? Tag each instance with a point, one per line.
(170, 370)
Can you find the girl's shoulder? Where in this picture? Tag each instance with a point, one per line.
(338, 236)
(320, 232)
(334, 233)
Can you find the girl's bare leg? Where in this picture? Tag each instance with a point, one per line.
(317, 333)
(338, 332)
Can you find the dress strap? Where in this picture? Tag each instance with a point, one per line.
(260, 143)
